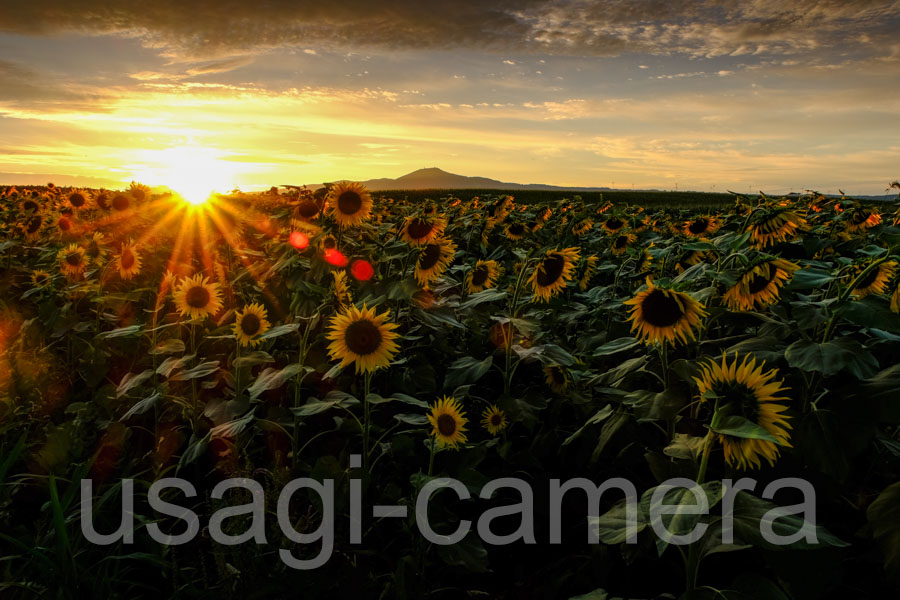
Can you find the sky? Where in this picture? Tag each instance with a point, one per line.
(708, 95)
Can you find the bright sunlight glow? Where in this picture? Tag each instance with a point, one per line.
(192, 173)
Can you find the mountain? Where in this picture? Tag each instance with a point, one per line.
(437, 179)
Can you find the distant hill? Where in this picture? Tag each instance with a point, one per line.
(437, 179)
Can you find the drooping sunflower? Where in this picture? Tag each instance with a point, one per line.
(448, 422)
(582, 227)
(40, 278)
(29, 206)
(744, 390)
(308, 206)
(494, 419)
(102, 200)
(434, 259)
(421, 230)
(588, 270)
(660, 314)
(350, 203)
(361, 337)
(328, 242)
(251, 323)
(776, 225)
(139, 191)
(621, 243)
(552, 273)
(875, 282)
(197, 297)
(95, 246)
(483, 276)
(72, 260)
(516, 231)
(31, 226)
(65, 226)
(129, 261)
(556, 378)
(342, 296)
(613, 224)
(701, 226)
(861, 219)
(759, 285)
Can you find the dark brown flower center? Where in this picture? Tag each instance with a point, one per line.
(77, 200)
(698, 226)
(33, 224)
(446, 425)
(41, 278)
(307, 209)
(127, 260)
(418, 228)
(30, 206)
(64, 224)
(362, 337)
(614, 223)
(516, 229)
(103, 201)
(250, 324)
(660, 310)
(739, 398)
(621, 242)
(138, 194)
(759, 282)
(480, 275)
(496, 419)
(197, 297)
(73, 259)
(429, 257)
(550, 269)
(329, 243)
(121, 202)
(349, 202)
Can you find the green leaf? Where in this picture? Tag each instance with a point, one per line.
(610, 428)
(831, 357)
(598, 594)
(142, 406)
(201, 370)
(749, 511)
(686, 518)
(256, 357)
(271, 379)
(809, 278)
(412, 419)
(279, 331)
(612, 526)
(488, 295)
(738, 426)
(616, 346)
(466, 370)
(600, 416)
(232, 428)
(884, 519)
(333, 399)
(120, 332)
(468, 553)
(169, 346)
(195, 450)
(131, 381)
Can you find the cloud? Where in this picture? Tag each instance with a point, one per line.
(207, 29)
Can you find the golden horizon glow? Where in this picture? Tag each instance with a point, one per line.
(193, 173)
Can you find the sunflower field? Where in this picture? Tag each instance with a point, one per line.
(381, 345)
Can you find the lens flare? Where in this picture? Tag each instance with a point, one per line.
(299, 240)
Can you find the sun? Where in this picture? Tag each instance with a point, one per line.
(194, 174)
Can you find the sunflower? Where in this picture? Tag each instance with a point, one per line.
(31, 226)
(139, 191)
(350, 203)
(95, 246)
(773, 226)
(341, 291)
(701, 226)
(895, 300)
(328, 242)
(40, 278)
(875, 281)
(646, 262)
(515, 231)
(494, 419)
(102, 200)
(552, 273)
(861, 219)
(308, 206)
(434, 259)
(72, 260)
(621, 242)
(759, 286)
(483, 276)
(421, 230)
(77, 200)
(448, 423)
(745, 391)
(65, 225)
(120, 202)
(556, 378)
(250, 324)
(590, 267)
(660, 314)
(360, 336)
(613, 224)
(582, 227)
(197, 297)
(129, 261)
(29, 206)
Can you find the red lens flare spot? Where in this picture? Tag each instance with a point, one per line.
(299, 240)
(334, 257)
(362, 270)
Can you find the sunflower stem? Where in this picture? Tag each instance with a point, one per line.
(664, 358)
(829, 330)
(367, 382)
(431, 456)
